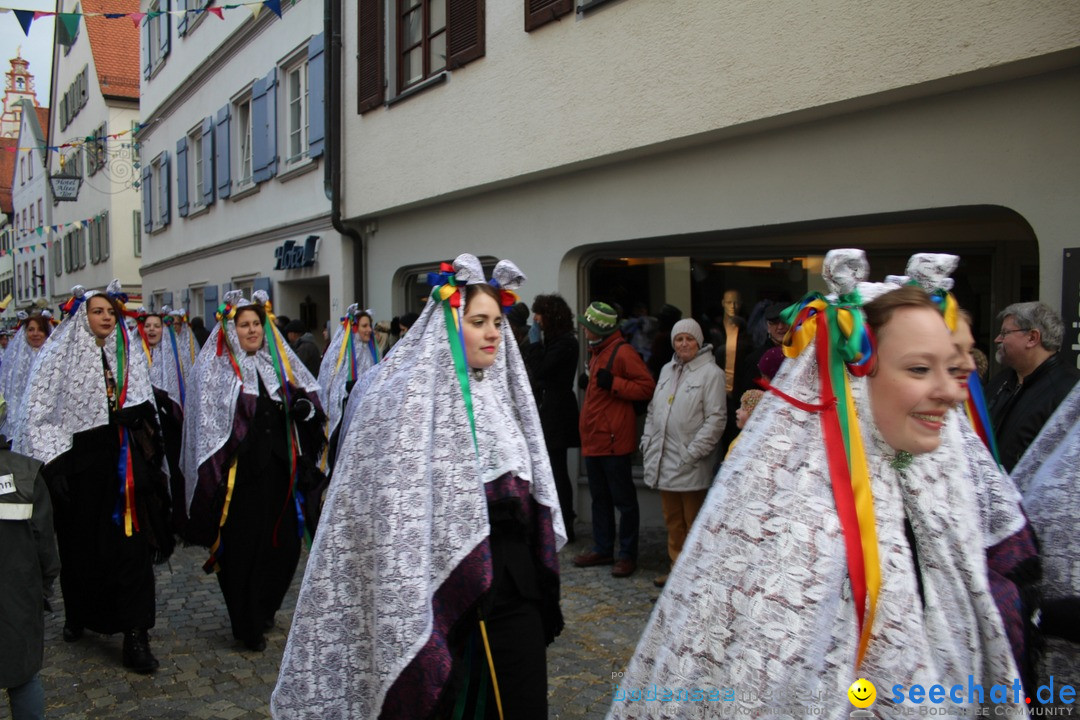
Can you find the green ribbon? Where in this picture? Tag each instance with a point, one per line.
(458, 353)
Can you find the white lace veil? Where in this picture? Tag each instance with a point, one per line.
(405, 507)
(165, 372)
(760, 599)
(66, 393)
(15, 372)
(186, 345)
(1047, 477)
(213, 385)
(337, 364)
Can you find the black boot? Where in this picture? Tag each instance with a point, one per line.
(137, 655)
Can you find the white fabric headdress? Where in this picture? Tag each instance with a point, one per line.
(15, 373)
(342, 362)
(214, 385)
(761, 598)
(407, 505)
(66, 393)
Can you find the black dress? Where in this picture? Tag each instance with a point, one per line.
(260, 540)
(171, 421)
(107, 577)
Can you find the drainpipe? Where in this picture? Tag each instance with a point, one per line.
(332, 170)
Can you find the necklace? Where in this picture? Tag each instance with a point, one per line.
(477, 374)
(901, 461)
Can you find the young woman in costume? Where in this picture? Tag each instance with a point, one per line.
(89, 415)
(19, 358)
(432, 587)
(252, 423)
(845, 538)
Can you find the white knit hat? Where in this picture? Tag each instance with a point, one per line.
(690, 327)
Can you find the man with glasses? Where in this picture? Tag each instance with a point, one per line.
(1035, 379)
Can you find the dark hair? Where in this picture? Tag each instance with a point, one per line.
(114, 303)
(196, 322)
(880, 310)
(42, 323)
(558, 319)
(409, 319)
(257, 309)
(472, 290)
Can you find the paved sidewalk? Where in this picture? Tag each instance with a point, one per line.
(206, 674)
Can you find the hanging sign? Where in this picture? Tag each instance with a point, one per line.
(65, 187)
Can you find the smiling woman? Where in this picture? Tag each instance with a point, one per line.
(844, 535)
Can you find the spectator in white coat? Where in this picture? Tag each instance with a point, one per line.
(682, 432)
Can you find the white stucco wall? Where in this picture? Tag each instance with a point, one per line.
(107, 190)
(634, 74)
(26, 195)
(277, 202)
(1011, 144)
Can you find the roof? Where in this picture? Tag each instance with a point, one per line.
(8, 146)
(43, 121)
(115, 47)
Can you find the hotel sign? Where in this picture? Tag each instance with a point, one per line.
(65, 187)
(291, 256)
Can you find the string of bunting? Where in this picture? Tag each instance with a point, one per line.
(70, 21)
(52, 230)
(97, 140)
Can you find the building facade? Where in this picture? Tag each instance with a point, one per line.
(32, 199)
(233, 149)
(95, 237)
(651, 153)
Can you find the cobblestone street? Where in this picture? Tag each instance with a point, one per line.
(206, 674)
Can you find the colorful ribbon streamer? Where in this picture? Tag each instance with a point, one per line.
(843, 344)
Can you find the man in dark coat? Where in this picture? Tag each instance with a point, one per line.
(1035, 380)
(303, 344)
(29, 563)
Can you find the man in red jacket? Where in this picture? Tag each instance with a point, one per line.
(608, 425)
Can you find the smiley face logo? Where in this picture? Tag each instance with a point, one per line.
(862, 693)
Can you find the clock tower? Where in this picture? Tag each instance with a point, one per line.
(18, 85)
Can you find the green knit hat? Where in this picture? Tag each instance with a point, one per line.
(601, 318)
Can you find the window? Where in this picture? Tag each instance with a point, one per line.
(71, 164)
(30, 166)
(33, 224)
(243, 141)
(155, 36)
(421, 40)
(95, 150)
(426, 37)
(75, 97)
(40, 214)
(192, 179)
(39, 281)
(195, 152)
(74, 250)
(296, 99)
(136, 219)
(155, 193)
(57, 258)
(22, 170)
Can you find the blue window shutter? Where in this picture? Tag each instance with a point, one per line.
(148, 53)
(163, 18)
(181, 24)
(221, 153)
(271, 122)
(208, 161)
(164, 169)
(316, 111)
(181, 177)
(147, 189)
(210, 303)
(263, 283)
(259, 172)
(166, 298)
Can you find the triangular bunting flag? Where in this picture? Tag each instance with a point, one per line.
(38, 14)
(40, 230)
(25, 18)
(137, 18)
(68, 28)
(274, 5)
(255, 9)
(217, 11)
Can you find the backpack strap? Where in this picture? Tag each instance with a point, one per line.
(611, 358)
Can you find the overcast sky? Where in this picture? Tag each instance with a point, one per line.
(36, 49)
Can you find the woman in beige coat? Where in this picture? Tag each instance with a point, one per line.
(682, 432)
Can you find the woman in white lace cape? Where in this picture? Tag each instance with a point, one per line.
(250, 412)
(154, 344)
(759, 609)
(18, 361)
(403, 555)
(1048, 480)
(89, 416)
(343, 364)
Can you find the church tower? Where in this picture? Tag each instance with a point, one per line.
(18, 85)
